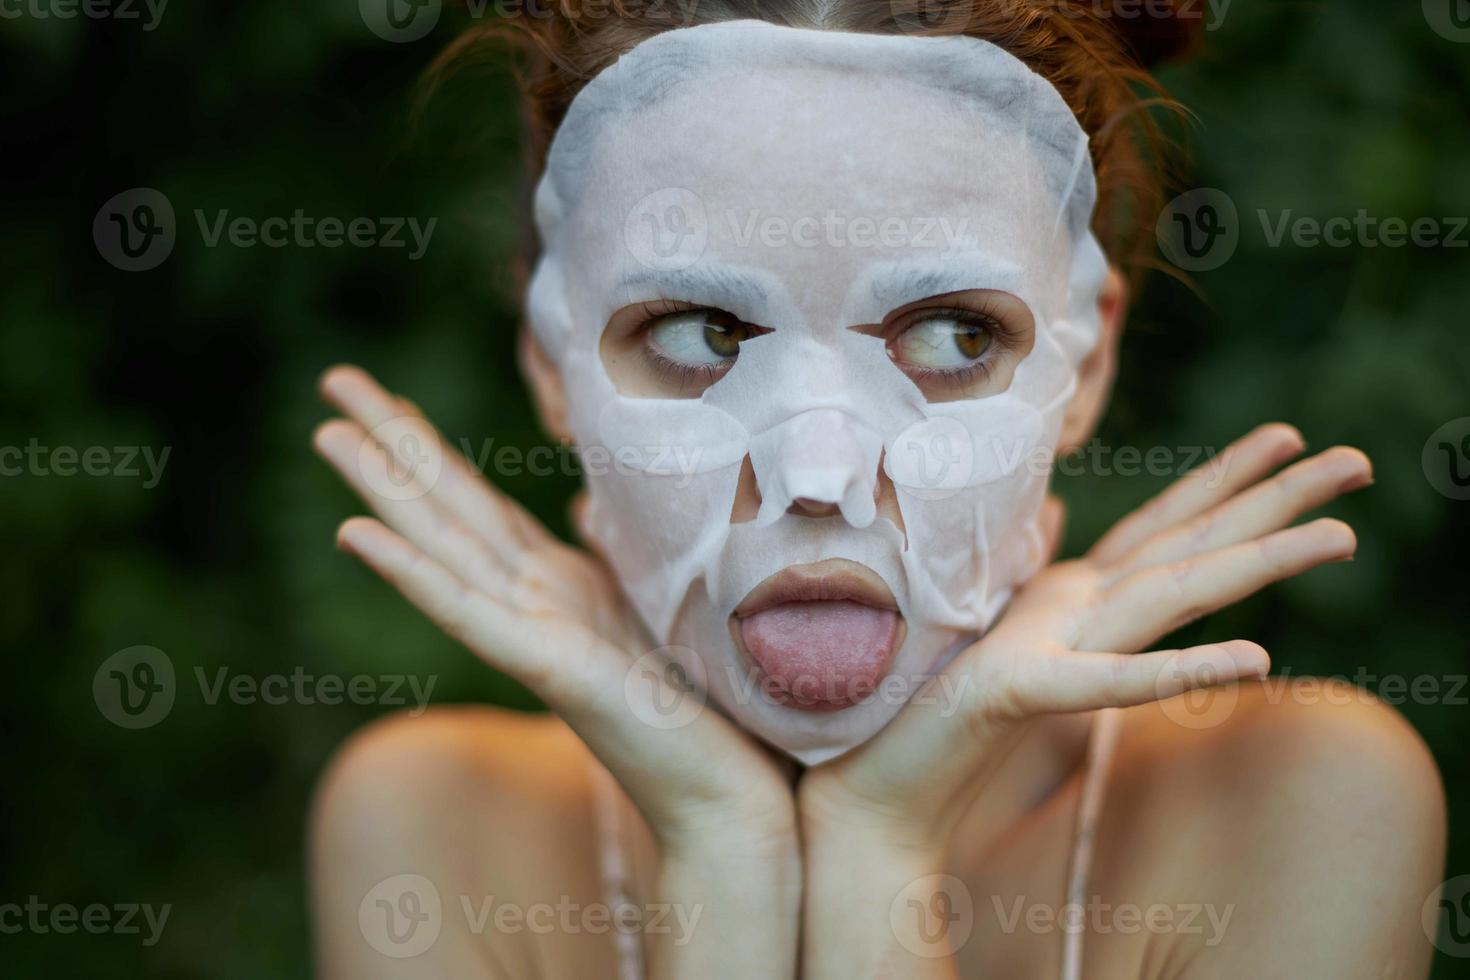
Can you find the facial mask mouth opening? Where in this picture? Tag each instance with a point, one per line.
(822, 636)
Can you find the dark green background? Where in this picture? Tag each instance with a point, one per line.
(266, 107)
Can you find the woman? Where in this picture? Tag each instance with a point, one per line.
(819, 298)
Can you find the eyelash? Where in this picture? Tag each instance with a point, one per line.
(703, 375)
(986, 317)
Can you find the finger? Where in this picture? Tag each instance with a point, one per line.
(465, 480)
(1151, 603)
(456, 485)
(498, 633)
(363, 464)
(1067, 681)
(1241, 464)
(1265, 507)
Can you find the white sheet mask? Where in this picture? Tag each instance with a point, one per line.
(809, 182)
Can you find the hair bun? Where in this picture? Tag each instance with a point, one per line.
(1161, 30)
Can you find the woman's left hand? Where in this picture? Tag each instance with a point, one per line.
(1067, 643)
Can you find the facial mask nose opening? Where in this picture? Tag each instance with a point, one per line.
(822, 456)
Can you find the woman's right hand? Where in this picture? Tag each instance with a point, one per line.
(552, 617)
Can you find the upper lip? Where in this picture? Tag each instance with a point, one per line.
(830, 580)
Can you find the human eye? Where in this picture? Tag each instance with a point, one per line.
(962, 345)
(700, 337)
(946, 340)
(694, 345)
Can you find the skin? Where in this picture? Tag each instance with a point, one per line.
(1314, 819)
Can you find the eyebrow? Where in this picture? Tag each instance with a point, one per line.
(897, 285)
(744, 293)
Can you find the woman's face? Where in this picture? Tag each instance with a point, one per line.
(838, 308)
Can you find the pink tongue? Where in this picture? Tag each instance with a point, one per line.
(829, 650)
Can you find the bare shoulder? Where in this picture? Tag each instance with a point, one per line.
(463, 818)
(1288, 827)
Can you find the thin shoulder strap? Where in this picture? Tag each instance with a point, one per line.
(612, 867)
(1102, 740)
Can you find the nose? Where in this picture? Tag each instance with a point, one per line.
(817, 463)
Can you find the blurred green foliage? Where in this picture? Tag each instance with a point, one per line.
(228, 562)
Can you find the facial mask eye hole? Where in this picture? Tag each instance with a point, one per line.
(672, 349)
(959, 345)
(943, 340)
